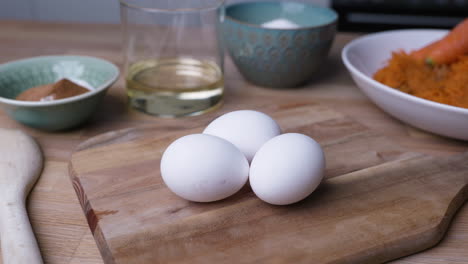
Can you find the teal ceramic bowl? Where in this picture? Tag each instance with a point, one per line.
(275, 56)
(21, 75)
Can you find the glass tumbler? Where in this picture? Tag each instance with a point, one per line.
(173, 56)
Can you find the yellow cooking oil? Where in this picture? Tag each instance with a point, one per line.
(174, 87)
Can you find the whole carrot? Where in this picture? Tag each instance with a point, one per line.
(451, 46)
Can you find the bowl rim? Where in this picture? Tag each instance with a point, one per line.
(334, 21)
(385, 88)
(127, 4)
(95, 91)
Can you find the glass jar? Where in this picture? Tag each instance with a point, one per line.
(173, 56)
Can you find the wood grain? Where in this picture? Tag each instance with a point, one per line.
(56, 216)
(379, 202)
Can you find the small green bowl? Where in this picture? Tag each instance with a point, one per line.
(273, 56)
(18, 76)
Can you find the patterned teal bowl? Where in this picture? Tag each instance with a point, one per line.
(278, 57)
(20, 75)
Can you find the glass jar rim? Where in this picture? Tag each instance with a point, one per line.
(174, 10)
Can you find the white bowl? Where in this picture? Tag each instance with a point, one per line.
(364, 56)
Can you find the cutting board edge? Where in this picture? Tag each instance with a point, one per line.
(430, 238)
(91, 218)
(105, 137)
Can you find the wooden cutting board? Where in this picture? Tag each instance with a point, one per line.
(378, 202)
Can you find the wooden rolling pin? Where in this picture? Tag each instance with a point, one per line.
(20, 166)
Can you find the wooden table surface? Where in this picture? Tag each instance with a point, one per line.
(55, 213)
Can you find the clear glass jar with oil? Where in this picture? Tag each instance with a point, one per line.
(173, 56)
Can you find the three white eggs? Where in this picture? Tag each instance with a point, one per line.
(207, 167)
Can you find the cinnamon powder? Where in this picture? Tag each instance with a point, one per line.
(54, 91)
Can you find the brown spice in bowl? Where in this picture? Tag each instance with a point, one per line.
(54, 91)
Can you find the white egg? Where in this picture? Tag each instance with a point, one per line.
(287, 169)
(248, 130)
(203, 168)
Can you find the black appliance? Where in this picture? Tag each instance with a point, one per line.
(373, 15)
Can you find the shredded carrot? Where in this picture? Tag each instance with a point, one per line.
(447, 84)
